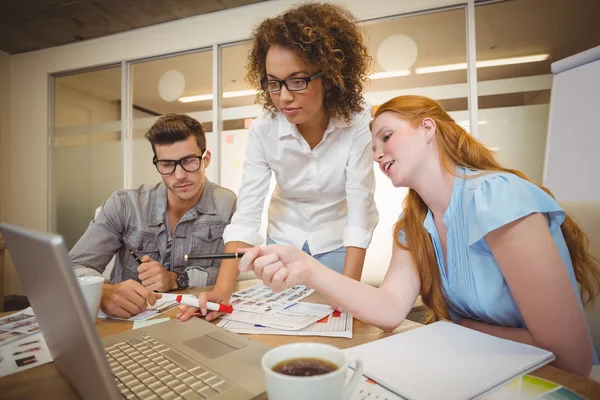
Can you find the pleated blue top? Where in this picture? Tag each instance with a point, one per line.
(473, 284)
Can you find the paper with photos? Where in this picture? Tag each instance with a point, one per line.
(294, 317)
(17, 326)
(337, 324)
(262, 300)
(22, 354)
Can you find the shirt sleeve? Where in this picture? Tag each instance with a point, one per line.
(256, 177)
(101, 240)
(198, 277)
(503, 198)
(360, 187)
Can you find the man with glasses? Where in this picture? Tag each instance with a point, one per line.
(151, 228)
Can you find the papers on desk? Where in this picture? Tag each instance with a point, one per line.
(368, 389)
(257, 310)
(22, 345)
(294, 317)
(336, 324)
(261, 300)
(17, 326)
(161, 306)
(527, 387)
(446, 361)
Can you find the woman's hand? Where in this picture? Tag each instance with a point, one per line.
(280, 267)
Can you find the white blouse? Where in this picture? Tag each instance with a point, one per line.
(323, 196)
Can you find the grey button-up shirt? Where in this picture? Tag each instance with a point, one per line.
(136, 219)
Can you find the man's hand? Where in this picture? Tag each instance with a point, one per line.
(126, 299)
(155, 277)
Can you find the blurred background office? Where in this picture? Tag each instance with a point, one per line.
(81, 82)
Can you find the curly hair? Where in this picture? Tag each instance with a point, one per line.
(323, 35)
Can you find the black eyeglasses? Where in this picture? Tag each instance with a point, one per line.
(292, 84)
(188, 163)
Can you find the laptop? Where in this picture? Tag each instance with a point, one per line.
(183, 360)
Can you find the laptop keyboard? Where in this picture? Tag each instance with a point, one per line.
(148, 369)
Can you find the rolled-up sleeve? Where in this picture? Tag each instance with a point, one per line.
(101, 240)
(360, 188)
(246, 221)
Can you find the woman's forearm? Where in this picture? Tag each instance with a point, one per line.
(524, 336)
(366, 303)
(515, 334)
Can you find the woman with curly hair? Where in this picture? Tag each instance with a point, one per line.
(309, 65)
(484, 246)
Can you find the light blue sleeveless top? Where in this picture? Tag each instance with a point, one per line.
(473, 284)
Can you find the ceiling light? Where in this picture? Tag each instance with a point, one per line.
(483, 64)
(209, 96)
(389, 74)
(441, 68)
(192, 99)
(513, 60)
(239, 93)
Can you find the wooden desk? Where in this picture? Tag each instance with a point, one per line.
(46, 381)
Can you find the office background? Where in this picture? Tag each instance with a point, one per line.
(72, 118)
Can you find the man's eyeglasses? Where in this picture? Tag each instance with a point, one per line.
(292, 84)
(188, 163)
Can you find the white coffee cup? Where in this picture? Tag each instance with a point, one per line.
(91, 288)
(329, 386)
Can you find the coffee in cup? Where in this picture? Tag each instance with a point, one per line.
(313, 371)
(304, 367)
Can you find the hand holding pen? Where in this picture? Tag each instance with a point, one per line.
(153, 275)
(191, 300)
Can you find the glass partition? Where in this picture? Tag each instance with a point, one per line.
(174, 84)
(87, 147)
(516, 43)
(409, 54)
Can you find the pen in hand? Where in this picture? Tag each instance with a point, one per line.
(191, 300)
(211, 256)
(135, 256)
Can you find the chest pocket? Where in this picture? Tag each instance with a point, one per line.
(207, 238)
(143, 244)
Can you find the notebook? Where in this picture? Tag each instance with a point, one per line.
(446, 361)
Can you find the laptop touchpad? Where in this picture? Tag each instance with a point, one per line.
(214, 344)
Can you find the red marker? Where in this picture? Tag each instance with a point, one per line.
(224, 308)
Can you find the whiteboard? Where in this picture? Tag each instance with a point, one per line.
(572, 164)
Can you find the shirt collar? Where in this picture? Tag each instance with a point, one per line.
(206, 204)
(285, 128)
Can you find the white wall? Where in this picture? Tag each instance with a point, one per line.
(87, 165)
(4, 97)
(574, 134)
(11, 283)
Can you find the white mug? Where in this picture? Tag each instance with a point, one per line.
(91, 288)
(329, 386)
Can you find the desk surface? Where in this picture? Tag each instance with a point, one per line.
(46, 381)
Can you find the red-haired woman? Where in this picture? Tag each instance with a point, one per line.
(483, 245)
